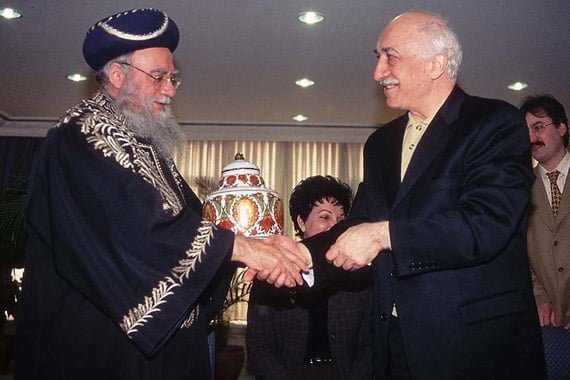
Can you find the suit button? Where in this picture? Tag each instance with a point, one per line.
(383, 317)
(333, 336)
(560, 269)
(555, 242)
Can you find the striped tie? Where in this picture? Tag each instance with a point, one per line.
(554, 191)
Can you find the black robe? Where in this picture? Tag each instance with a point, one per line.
(122, 274)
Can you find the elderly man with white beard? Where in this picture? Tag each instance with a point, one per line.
(122, 273)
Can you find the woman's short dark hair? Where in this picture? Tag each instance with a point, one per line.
(314, 189)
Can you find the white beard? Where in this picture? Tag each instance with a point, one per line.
(163, 130)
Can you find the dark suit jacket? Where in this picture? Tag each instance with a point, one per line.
(278, 327)
(458, 270)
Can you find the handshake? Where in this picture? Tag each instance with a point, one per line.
(276, 259)
(280, 261)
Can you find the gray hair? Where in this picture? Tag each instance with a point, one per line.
(101, 75)
(443, 39)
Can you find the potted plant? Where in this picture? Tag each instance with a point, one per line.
(229, 359)
(12, 248)
(238, 292)
(12, 225)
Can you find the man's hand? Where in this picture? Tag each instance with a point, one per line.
(546, 315)
(288, 244)
(298, 248)
(359, 245)
(271, 262)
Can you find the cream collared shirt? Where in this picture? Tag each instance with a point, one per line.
(412, 136)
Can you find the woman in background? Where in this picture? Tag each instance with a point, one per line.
(314, 333)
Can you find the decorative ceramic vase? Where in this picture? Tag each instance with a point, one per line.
(243, 204)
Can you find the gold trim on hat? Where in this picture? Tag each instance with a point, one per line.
(129, 36)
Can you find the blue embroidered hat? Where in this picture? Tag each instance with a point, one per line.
(126, 32)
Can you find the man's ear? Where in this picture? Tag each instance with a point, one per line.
(301, 223)
(562, 129)
(437, 65)
(116, 75)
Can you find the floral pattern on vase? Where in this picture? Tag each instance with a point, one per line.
(243, 203)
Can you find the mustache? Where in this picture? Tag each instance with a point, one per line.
(164, 100)
(388, 82)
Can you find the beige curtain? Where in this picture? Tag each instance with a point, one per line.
(282, 166)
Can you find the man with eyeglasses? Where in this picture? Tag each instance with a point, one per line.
(549, 220)
(122, 273)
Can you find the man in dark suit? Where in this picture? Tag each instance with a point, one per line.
(444, 197)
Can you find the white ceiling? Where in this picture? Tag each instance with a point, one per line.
(240, 59)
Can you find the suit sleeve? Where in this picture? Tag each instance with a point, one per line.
(540, 294)
(143, 266)
(325, 273)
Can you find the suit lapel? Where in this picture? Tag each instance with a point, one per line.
(391, 166)
(564, 203)
(435, 138)
(540, 201)
(382, 170)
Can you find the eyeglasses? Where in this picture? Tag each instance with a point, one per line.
(159, 79)
(537, 128)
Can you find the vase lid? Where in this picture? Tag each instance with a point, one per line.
(240, 166)
(243, 204)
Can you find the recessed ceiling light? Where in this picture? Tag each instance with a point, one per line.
(300, 117)
(517, 86)
(304, 82)
(76, 77)
(9, 13)
(311, 17)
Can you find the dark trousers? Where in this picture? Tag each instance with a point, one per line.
(398, 365)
